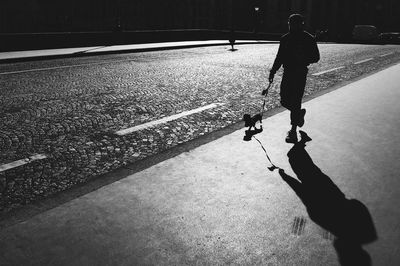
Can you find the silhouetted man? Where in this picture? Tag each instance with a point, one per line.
(297, 50)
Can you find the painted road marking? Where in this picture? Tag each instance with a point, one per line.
(166, 119)
(326, 71)
(18, 163)
(61, 67)
(383, 55)
(363, 61)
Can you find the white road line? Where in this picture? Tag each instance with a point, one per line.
(166, 119)
(61, 67)
(326, 71)
(383, 55)
(363, 61)
(18, 163)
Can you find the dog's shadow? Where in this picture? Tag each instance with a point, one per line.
(347, 219)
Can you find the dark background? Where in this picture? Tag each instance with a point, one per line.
(44, 20)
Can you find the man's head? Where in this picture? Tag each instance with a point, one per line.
(296, 22)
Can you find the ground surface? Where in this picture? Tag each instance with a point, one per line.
(217, 204)
(70, 110)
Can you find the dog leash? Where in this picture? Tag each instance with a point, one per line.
(273, 166)
(265, 93)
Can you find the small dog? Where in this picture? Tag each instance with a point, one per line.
(250, 121)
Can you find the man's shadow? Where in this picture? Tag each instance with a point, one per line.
(347, 219)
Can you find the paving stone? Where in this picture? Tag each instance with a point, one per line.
(71, 114)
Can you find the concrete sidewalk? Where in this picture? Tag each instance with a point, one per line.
(218, 204)
(98, 50)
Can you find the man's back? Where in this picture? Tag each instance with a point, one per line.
(299, 49)
(296, 50)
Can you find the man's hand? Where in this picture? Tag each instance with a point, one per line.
(271, 76)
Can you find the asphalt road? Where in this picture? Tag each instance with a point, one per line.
(64, 122)
(217, 204)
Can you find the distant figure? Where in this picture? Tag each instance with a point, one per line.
(232, 40)
(297, 50)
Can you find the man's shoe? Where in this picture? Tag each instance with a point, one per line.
(301, 119)
(291, 137)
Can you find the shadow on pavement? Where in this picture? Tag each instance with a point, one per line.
(348, 219)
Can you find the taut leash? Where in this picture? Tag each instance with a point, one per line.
(265, 93)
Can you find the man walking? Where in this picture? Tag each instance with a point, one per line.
(297, 50)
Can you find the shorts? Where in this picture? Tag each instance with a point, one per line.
(292, 88)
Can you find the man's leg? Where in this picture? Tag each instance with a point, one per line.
(297, 115)
(292, 133)
(297, 85)
(287, 102)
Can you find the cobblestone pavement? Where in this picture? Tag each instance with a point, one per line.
(69, 110)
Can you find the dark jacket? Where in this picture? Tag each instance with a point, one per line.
(296, 50)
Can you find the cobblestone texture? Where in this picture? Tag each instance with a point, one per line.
(72, 114)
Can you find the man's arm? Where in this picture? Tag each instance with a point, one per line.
(277, 63)
(278, 60)
(314, 52)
